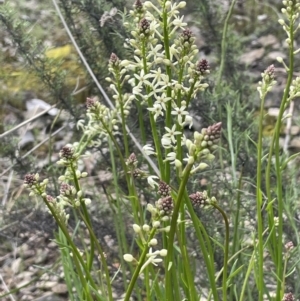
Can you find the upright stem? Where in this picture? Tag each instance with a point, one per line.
(169, 90)
(259, 202)
(139, 266)
(168, 284)
(222, 65)
(278, 164)
(226, 251)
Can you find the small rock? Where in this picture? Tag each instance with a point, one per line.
(60, 288)
(16, 265)
(267, 40)
(272, 56)
(252, 56)
(49, 297)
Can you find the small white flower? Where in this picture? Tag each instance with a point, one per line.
(188, 121)
(158, 75)
(162, 100)
(178, 22)
(151, 181)
(166, 142)
(157, 110)
(139, 63)
(152, 259)
(171, 157)
(180, 112)
(155, 51)
(137, 90)
(173, 51)
(177, 163)
(181, 4)
(142, 78)
(171, 133)
(153, 25)
(149, 150)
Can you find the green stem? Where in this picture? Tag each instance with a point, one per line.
(139, 266)
(101, 253)
(131, 188)
(191, 293)
(222, 66)
(284, 272)
(156, 139)
(278, 164)
(83, 206)
(277, 235)
(118, 217)
(169, 90)
(77, 257)
(169, 259)
(226, 250)
(224, 44)
(246, 282)
(259, 201)
(206, 249)
(141, 122)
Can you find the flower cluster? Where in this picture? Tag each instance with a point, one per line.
(132, 163)
(69, 195)
(289, 246)
(199, 199)
(295, 89)
(288, 297)
(164, 189)
(139, 9)
(151, 258)
(291, 11)
(144, 234)
(207, 141)
(268, 81)
(36, 187)
(201, 148)
(68, 156)
(152, 82)
(165, 206)
(101, 120)
(58, 208)
(31, 181)
(159, 213)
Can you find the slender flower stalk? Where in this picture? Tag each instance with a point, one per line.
(291, 12)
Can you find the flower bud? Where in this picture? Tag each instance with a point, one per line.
(136, 228)
(163, 252)
(203, 166)
(181, 4)
(128, 257)
(87, 202)
(153, 242)
(156, 224)
(146, 228)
